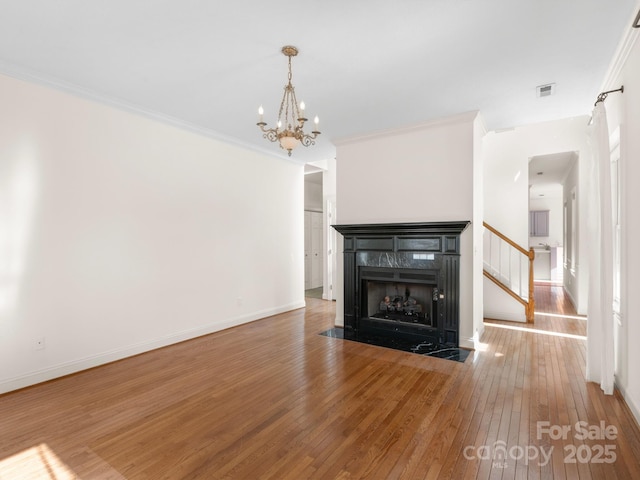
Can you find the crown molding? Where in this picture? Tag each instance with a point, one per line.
(26, 75)
(625, 45)
(467, 117)
(481, 123)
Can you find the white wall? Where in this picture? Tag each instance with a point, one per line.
(420, 174)
(570, 276)
(479, 131)
(623, 112)
(119, 234)
(506, 200)
(330, 235)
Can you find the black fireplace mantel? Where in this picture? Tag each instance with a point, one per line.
(429, 250)
(414, 228)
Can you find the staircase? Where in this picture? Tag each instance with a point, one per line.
(510, 267)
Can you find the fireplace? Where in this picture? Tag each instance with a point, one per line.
(402, 280)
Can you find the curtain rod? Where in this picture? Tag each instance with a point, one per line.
(603, 96)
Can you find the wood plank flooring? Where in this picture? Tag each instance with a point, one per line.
(275, 400)
(551, 298)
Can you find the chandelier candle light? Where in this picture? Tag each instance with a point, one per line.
(289, 129)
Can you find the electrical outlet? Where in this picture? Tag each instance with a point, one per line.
(40, 343)
(240, 301)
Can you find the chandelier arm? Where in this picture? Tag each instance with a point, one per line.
(270, 134)
(307, 141)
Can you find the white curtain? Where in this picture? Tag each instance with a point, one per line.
(600, 344)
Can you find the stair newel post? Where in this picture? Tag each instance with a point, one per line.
(531, 305)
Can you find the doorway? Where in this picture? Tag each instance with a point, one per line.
(313, 233)
(552, 182)
(313, 227)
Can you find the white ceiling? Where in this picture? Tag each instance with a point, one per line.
(548, 173)
(364, 65)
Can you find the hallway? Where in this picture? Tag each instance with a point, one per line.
(551, 298)
(555, 312)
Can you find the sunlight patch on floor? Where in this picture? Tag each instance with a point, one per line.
(37, 463)
(534, 330)
(556, 315)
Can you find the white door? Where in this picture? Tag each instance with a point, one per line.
(307, 250)
(316, 249)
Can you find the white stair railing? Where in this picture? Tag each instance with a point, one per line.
(509, 266)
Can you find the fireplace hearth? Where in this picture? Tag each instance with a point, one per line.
(427, 349)
(401, 281)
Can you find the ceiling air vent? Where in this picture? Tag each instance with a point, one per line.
(545, 90)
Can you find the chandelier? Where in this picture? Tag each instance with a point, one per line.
(289, 130)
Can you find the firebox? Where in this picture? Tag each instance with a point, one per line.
(402, 280)
(404, 301)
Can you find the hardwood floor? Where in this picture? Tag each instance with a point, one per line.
(551, 298)
(275, 400)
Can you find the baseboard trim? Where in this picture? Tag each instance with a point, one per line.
(633, 408)
(571, 299)
(506, 316)
(467, 343)
(75, 366)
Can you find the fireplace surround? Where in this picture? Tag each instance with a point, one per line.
(402, 280)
